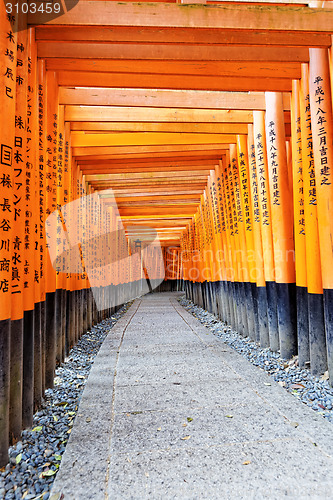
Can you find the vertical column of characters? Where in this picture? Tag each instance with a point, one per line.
(50, 206)
(203, 237)
(266, 225)
(230, 240)
(102, 248)
(282, 223)
(199, 242)
(191, 264)
(225, 285)
(217, 219)
(322, 132)
(61, 242)
(237, 216)
(20, 159)
(89, 253)
(8, 48)
(18, 209)
(70, 222)
(219, 256)
(86, 246)
(215, 227)
(81, 275)
(248, 245)
(204, 233)
(235, 239)
(197, 246)
(31, 316)
(198, 255)
(244, 276)
(112, 254)
(52, 113)
(194, 272)
(289, 164)
(108, 257)
(30, 215)
(299, 228)
(208, 237)
(77, 254)
(40, 242)
(67, 191)
(261, 293)
(211, 225)
(113, 248)
(317, 351)
(60, 275)
(242, 261)
(66, 181)
(105, 255)
(195, 253)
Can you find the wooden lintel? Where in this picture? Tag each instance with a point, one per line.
(164, 98)
(233, 17)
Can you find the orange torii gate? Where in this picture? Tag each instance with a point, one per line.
(212, 125)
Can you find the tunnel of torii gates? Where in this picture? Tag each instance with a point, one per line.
(202, 136)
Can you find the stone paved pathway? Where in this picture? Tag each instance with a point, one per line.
(170, 412)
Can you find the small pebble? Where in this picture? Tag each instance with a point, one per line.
(316, 393)
(39, 447)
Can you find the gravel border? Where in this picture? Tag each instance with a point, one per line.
(35, 459)
(311, 390)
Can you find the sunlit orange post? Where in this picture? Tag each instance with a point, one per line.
(259, 272)
(32, 313)
(40, 242)
(299, 228)
(266, 225)
(18, 252)
(60, 276)
(222, 181)
(219, 247)
(322, 133)
(197, 258)
(248, 245)
(8, 45)
(210, 250)
(240, 243)
(51, 205)
(317, 337)
(282, 223)
(213, 248)
(232, 226)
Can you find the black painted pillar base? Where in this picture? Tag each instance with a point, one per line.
(231, 300)
(249, 310)
(302, 326)
(328, 311)
(16, 379)
(262, 316)
(28, 369)
(244, 298)
(286, 302)
(317, 336)
(64, 321)
(254, 301)
(43, 342)
(50, 340)
(273, 328)
(58, 325)
(38, 369)
(4, 389)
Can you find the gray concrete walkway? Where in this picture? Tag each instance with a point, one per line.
(170, 412)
